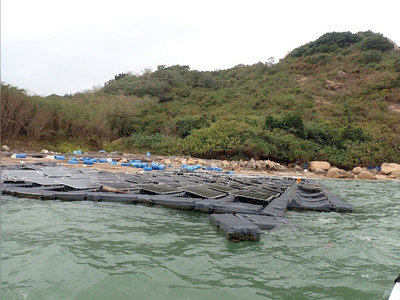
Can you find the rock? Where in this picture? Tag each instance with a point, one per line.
(201, 162)
(263, 164)
(388, 168)
(341, 74)
(250, 165)
(374, 171)
(333, 85)
(319, 171)
(183, 161)
(366, 175)
(394, 175)
(349, 175)
(271, 165)
(257, 165)
(298, 168)
(166, 161)
(5, 148)
(224, 163)
(190, 161)
(242, 164)
(50, 157)
(357, 170)
(124, 160)
(324, 165)
(45, 151)
(342, 172)
(333, 173)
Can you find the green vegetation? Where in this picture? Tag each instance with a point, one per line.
(328, 100)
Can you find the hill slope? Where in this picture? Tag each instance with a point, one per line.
(333, 99)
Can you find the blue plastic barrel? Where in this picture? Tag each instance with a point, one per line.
(20, 155)
(103, 160)
(113, 163)
(184, 166)
(196, 167)
(148, 168)
(218, 169)
(77, 152)
(148, 154)
(125, 164)
(73, 158)
(190, 168)
(88, 162)
(59, 157)
(230, 172)
(73, 162)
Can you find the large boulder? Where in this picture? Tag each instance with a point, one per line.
(388, 168)
(333, 173)
(357, 170)
(366, 175)
(324, 165)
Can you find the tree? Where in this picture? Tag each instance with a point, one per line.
(376, 42)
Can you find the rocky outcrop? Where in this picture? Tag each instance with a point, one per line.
(366, 175)
(388, 168)
(324, 165)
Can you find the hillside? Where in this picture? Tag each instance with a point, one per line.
(334, 99)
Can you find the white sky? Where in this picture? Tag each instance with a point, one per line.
(66, 46)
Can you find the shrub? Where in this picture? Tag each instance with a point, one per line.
(371, 56)
(376, 42)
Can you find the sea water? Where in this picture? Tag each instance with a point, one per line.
(88, 250)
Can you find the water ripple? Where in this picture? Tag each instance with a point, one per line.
(85, 250)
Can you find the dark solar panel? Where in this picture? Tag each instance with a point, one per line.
(117, 184)
(138, 179)
(219, 187)
(78, 184)
(255, 194)
(43, 181)
(22, 174)
(204, 192)
(55, 172)
(160, 189)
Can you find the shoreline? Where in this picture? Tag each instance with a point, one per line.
(252, 167)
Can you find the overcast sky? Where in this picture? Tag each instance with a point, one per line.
(67, 46)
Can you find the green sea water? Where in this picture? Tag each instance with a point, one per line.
(87, 250)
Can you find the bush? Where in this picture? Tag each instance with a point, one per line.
(371, 56)
(376, 42)
(291, 123)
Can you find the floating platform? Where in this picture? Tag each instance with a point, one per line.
(241, 206)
